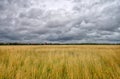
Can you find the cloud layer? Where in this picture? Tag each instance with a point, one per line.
(64, 21)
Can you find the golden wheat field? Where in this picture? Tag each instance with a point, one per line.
(60, 62)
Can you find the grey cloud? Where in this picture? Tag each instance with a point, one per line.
(80, 21)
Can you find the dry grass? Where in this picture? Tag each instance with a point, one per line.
(60, 62)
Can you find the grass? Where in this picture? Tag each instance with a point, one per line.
(60, 62)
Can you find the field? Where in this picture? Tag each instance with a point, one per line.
(60, 62)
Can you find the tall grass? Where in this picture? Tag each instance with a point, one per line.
(60, 62)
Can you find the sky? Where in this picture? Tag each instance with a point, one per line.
(60, 21)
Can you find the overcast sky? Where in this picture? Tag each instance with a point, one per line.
(64, 21)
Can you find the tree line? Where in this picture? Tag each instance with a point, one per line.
(16, 43)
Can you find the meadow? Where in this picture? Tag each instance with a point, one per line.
(60, 62)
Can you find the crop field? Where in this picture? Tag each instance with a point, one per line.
(60, 62)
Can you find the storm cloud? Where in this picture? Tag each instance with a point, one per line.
(62, 21)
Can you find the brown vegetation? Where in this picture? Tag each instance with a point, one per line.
(60, 62)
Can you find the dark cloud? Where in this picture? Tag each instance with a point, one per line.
(63, 21)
